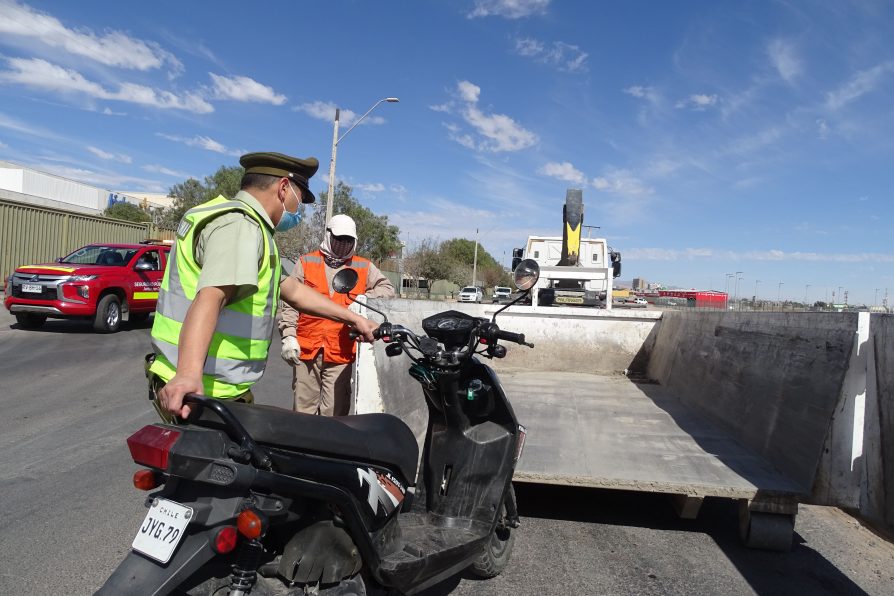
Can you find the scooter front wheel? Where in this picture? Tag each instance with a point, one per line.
(498, 549)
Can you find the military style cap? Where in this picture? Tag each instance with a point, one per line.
(277, 164)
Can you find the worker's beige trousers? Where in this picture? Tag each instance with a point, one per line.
(322, 387)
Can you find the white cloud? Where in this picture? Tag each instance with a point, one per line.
(509, 9)
(26, 129)
(3, 145)
(167, 171)
(469, 91)
(563, 56)
(495, 132)
(698, 102)
(749, 144)
(113, 48)
(240, 88)
(101, 179)
(206, 143)
(40, 74)
(109, 156)
(109, 112)
(325, 110)
(372, 187)
(822, 129)
(563, 171)
(862, 83)
(527, 46)
(622, 182)
(785, 61)
(444, 107)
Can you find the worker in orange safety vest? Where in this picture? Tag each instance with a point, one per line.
(320, 351)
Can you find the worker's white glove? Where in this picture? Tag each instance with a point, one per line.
(290, 350)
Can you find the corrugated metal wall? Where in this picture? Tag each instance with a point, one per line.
(32, 234)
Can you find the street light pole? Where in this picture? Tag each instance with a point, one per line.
(737, 288)
(475, 261)
(806, 287)
(330, 199)
(779, 291)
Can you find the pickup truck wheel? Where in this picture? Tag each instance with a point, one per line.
(27, 320)
(497, 551)
(108, 314)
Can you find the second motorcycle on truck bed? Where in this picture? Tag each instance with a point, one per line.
(258, 500)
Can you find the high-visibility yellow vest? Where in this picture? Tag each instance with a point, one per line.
(237, 355)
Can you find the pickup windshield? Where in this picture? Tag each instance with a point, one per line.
(100, 255)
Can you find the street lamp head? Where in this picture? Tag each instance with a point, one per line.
(392, 99)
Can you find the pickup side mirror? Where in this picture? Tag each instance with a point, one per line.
(144, 266)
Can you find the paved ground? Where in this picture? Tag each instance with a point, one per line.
(68, 512)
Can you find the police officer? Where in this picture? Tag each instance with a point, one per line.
(221, 287)
(320, 350)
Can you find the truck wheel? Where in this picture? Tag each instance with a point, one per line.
(27, 320)
(766, 531)
(497, 551)
(108, 314)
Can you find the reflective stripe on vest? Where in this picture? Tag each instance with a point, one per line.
(315, 333)
(238, 351)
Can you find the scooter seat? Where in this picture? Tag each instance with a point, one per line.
(374, 438)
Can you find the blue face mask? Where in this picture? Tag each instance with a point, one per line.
(289, 219)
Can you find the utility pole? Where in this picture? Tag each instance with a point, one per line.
(806, 287)
(726, 289)
(475, 262)
(779, 291)
(737, 288)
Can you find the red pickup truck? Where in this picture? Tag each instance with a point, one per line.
(105, 283)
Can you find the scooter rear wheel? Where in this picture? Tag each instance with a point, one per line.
(498, 549)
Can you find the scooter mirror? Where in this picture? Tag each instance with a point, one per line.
(526, 274)
(345, 280)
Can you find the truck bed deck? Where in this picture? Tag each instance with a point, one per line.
(609, 432)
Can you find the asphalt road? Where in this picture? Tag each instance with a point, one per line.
(68, 511)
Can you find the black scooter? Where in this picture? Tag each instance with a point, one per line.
(260, 500)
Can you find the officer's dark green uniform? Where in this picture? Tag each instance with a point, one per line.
(226, 243)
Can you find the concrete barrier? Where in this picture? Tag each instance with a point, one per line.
(877, 494)
(772, 380)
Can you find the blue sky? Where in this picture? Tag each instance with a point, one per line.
(709, 137)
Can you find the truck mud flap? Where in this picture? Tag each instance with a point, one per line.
(138, 575)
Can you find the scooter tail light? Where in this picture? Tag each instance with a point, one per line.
(520, 445)
(146, 479)
(151, 445)
(225, 540)
(250, 524)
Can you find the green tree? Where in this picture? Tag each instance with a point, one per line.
(186, 195)
(127, 212)
(226, 181)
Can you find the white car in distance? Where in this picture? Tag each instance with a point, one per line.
(471, 294)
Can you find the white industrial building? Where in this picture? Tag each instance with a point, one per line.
(25, 185)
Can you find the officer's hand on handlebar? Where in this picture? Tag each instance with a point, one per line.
(171, 395)
(363, 329)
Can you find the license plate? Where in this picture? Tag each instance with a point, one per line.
(32, 288)
(162, 529)
(569, 300)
